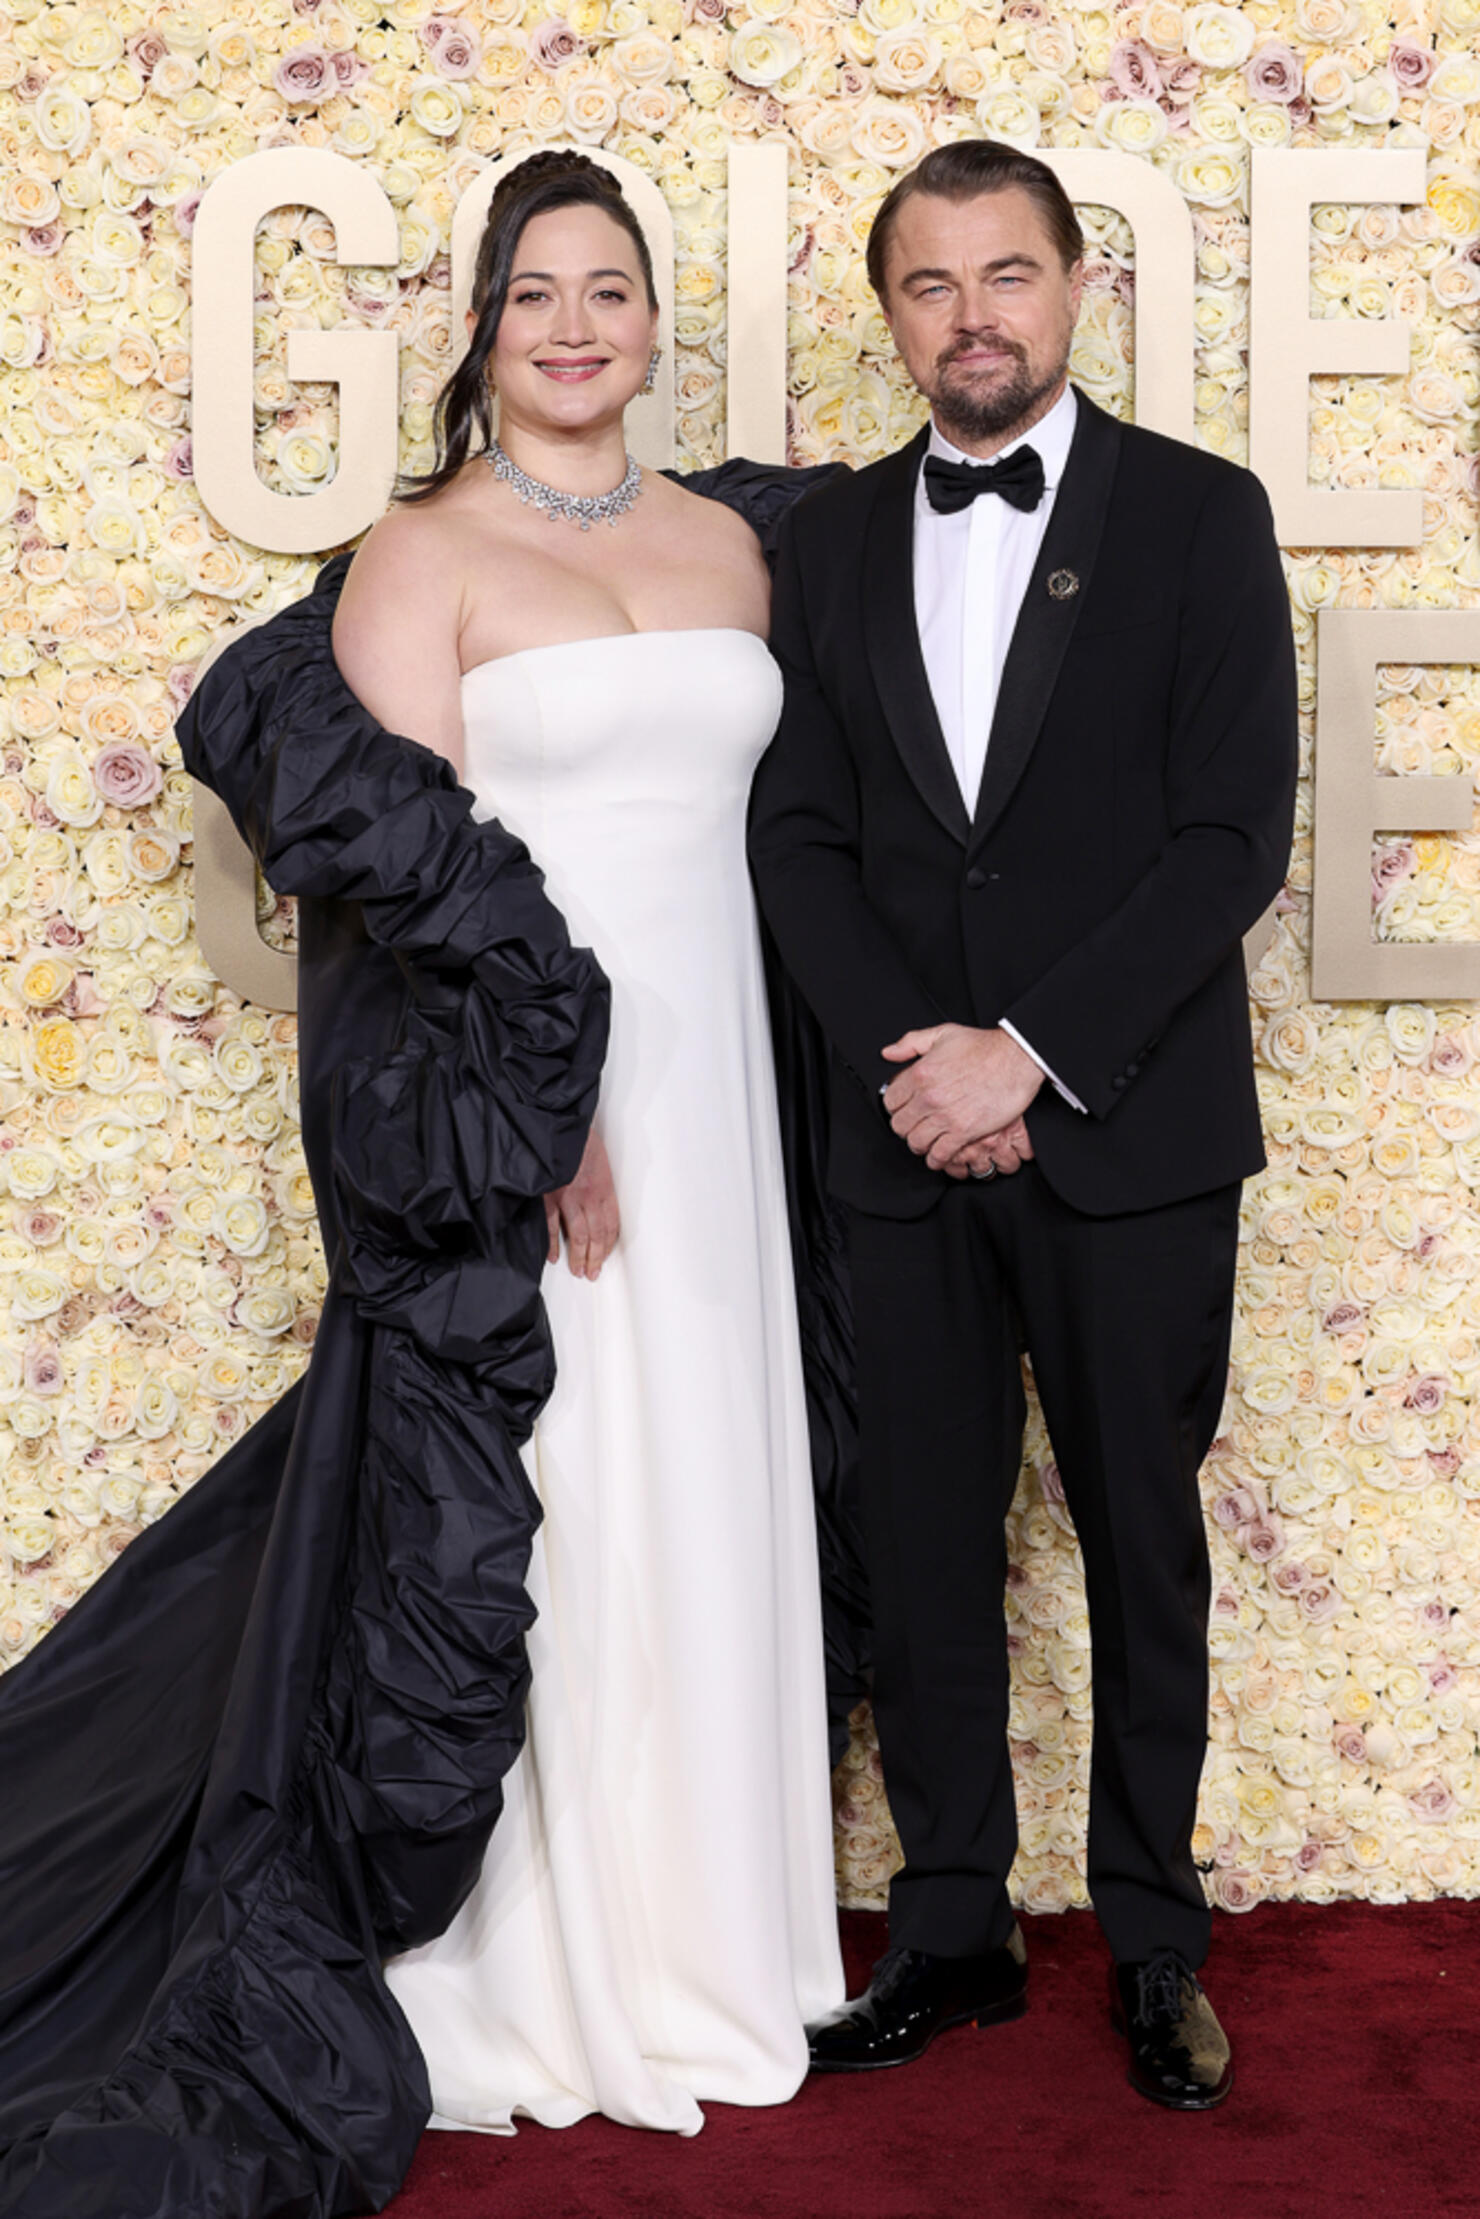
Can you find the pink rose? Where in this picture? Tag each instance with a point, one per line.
(1265, 1541)
(1181, 81)
(1307, 1856)
(1273, 72)
(1446, 1462)
(126, 774)
(1449, 1056)
(146, 48)
(184, 210)
(1237, 1891)
(553, 42)
(1343, 1317)
(1432, 1803)
(1392, 864)
(348, 70)
(455, 50)
(1052, 1482)
(1319, 1602)
(1134, 70)
(62, 933)
(1351, 1743)
(1442, 1676)
(179, 462)
(1426, 1394)
(43, 1369)
(82, 998)
(40, 1227)
(305, 74)
(42, 238)
(1288, 1575)
(1410, 67)
(304, 1329)
(180, 684)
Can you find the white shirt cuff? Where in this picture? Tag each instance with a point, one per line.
(1052, 1076)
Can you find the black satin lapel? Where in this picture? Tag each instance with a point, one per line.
(894, 642)
(1046, 622)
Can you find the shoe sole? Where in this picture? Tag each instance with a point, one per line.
(995, 2014)
(1182, 2103)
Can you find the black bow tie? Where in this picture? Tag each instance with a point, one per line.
(951, 486)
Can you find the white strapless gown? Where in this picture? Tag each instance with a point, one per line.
(655, 1918)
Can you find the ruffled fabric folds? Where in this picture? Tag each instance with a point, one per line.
(208, 2032)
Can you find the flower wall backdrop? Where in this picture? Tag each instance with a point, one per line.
(160, 1272)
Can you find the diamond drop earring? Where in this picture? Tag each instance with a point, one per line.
(649, 383)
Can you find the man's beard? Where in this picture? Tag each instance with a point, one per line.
(973, 417)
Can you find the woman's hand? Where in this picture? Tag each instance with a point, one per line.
(587, 1210)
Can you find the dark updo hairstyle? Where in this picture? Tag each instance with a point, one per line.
(553, 179)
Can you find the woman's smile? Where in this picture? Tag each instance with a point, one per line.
(575, 371)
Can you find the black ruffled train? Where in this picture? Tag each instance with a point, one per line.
(266, 1750)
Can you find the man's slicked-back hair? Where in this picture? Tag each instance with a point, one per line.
(964, 170)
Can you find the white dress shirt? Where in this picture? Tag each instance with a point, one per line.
(971, 572)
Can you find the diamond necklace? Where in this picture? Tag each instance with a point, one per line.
(584, 509)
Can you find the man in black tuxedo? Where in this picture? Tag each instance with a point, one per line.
(1034, 780)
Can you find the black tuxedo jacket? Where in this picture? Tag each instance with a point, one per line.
(1133, 822)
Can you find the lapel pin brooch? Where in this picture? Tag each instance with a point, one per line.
(1063, 584)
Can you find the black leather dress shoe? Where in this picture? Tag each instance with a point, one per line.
(1179, 2053)
(912, 1998)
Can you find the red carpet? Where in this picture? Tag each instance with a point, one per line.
(1357, 2034)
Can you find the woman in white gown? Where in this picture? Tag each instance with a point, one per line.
(654, 1924)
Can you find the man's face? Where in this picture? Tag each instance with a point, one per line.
(982, 310)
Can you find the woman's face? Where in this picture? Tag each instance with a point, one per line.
(577, 332)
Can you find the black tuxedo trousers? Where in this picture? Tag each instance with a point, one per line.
(1127, 1320)
(1133, 822)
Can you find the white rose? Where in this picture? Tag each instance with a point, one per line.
(242, 1223)
(1132, 126)
(1219, 38)
(62, 120)
(1210, 176)
(889, 133)
(763, 53)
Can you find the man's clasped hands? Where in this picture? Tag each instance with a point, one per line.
(960, 1100)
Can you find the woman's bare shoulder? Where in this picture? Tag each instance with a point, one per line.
(419, 558)
(713, 520)
(716, 538)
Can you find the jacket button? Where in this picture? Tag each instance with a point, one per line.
(1119, 1079)
(976, 879)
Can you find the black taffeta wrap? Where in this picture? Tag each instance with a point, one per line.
(266, 1750)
